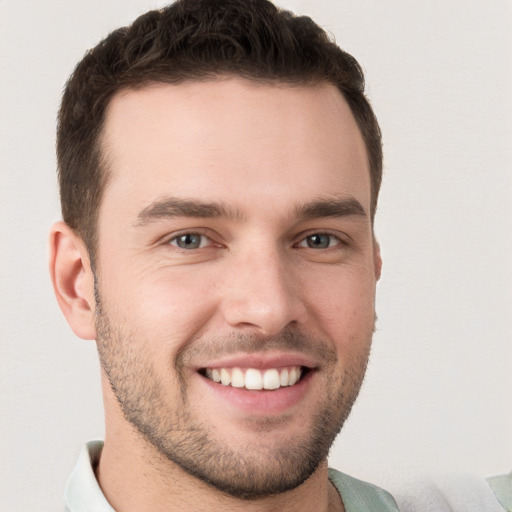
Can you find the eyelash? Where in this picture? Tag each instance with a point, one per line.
(205, 240)
(331, 237)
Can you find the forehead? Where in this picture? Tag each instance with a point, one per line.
(234, 141)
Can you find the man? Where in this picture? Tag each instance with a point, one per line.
(219, 168)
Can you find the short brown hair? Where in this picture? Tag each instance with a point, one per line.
(194, 40)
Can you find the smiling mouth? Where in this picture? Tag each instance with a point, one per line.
(255, 379)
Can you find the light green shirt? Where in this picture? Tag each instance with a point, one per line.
(359, 496)
(502, 488)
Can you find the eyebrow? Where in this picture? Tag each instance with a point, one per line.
(169, 207)
(330, 208)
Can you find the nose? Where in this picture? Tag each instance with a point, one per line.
(262, 292)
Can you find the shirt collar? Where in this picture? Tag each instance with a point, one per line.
(83, 492)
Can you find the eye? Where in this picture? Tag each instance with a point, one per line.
(319, 241)
(190, 241)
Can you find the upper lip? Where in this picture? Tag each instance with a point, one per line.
(260, 361)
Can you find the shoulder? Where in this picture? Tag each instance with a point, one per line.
(502, 488)
(359, 496)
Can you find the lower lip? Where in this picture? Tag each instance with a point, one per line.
(262, 402)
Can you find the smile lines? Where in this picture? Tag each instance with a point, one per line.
(254, 379)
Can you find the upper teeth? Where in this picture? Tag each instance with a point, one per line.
(252, 378)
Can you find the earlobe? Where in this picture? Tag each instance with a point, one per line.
(73, 280)
(377, 259)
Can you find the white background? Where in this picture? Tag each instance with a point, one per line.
(438, 392)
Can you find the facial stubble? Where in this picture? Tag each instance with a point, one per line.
(181, 437)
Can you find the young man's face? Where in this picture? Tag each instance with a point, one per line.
(235, 243)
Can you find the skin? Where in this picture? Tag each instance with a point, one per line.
(289, 168)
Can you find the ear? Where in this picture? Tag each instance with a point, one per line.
(377, 260)
(73, 280)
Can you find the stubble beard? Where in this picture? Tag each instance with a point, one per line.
(189, 442)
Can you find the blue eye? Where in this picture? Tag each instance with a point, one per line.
(319, 241)
(189, 241)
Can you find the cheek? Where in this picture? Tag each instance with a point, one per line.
(167, 306)
(343, 304)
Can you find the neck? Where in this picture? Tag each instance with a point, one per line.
(135, 478)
